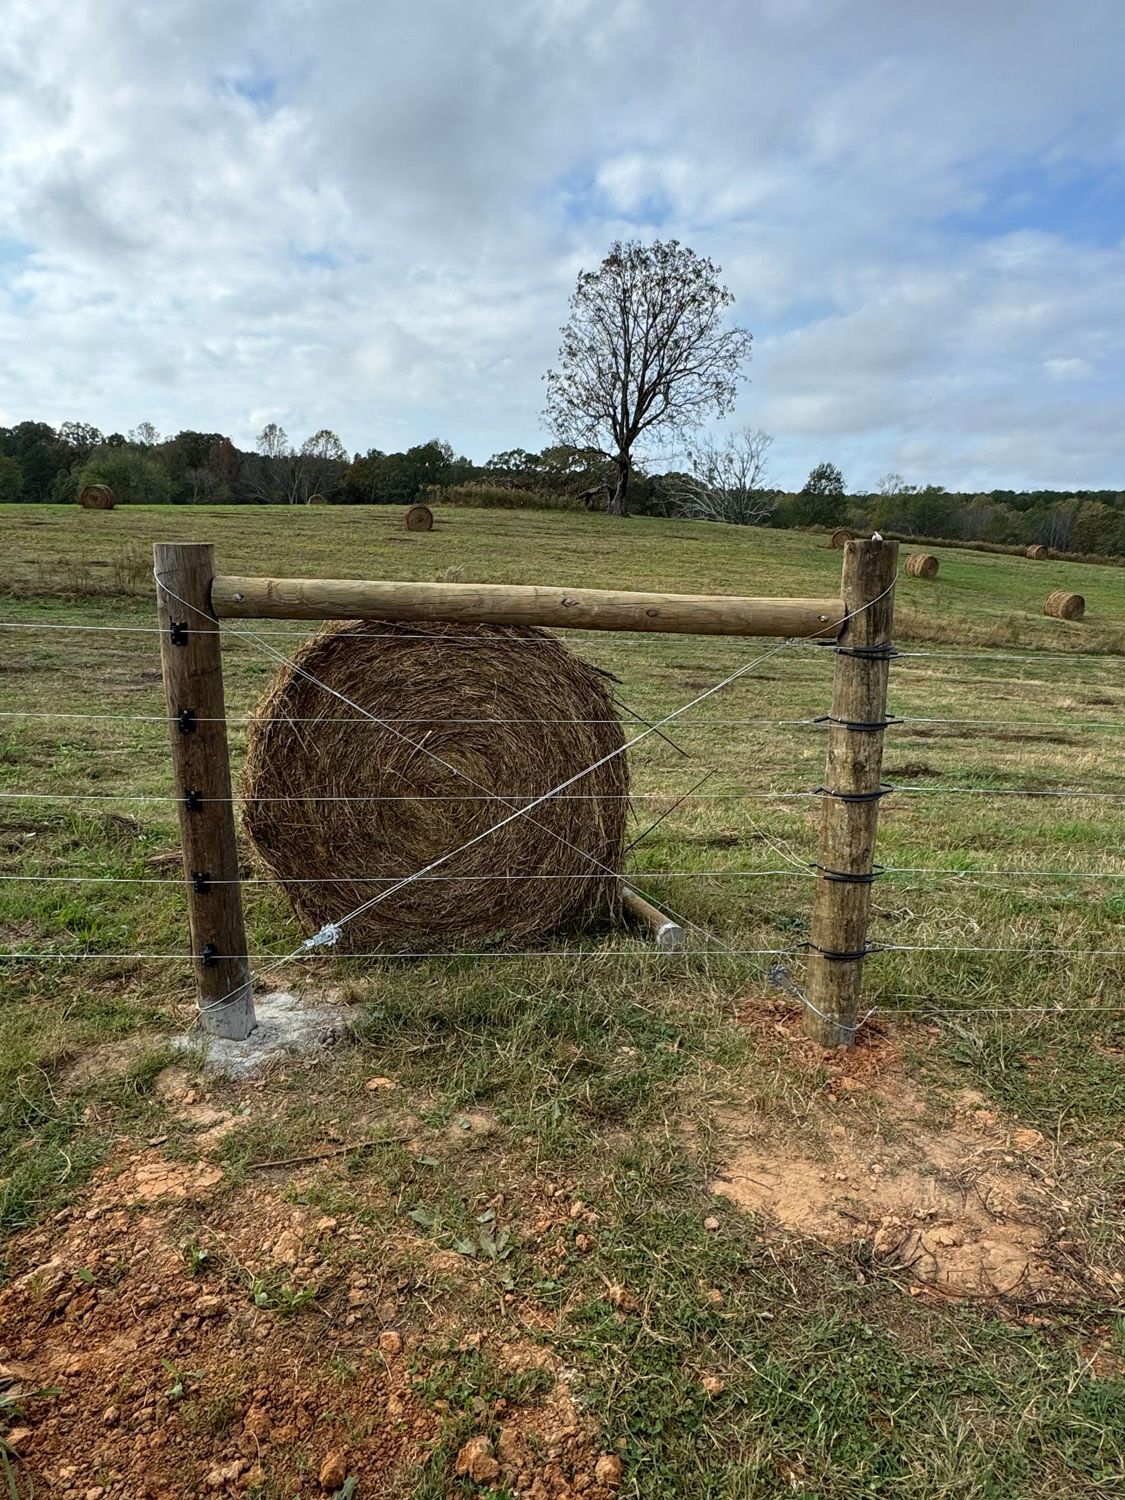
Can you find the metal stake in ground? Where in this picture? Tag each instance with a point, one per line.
(193, 686)
(850, 810)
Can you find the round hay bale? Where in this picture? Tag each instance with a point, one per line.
(419, 518)
(1037, 552)
(1064, 606)
(839, 537)
(96, 497)
(922, 565)
(316, 500)
(417, 807)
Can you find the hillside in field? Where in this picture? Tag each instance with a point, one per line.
(977, 597)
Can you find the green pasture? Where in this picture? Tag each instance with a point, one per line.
(605, 1063)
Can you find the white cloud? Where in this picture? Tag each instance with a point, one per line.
(370, 218)
(1068, 369)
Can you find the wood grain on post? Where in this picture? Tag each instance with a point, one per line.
(854, 767)
(191, 658)
(520, 604)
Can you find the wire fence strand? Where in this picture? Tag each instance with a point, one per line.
(918, 1004)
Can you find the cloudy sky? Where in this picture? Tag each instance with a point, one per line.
(369, 216)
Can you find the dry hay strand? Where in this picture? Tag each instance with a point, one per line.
(922, 565)
(298, 750)
(1037, 552)
(1064, 606)
(96, 497)
(839, 537)
(316, 500)
(419, 518)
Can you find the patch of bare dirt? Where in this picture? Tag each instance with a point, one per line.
(159, 1181)
(106, 1061)
(966, 1201)
(469, 1131)
(200, 1338)
(211, 1122)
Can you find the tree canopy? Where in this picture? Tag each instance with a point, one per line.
(645, 349)
(825, 479)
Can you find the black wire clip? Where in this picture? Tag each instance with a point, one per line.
(845, 877)
(201, 882)
(881, 791)
(209, 954)
(840, 957)
(179, 632)
(185, 721)
(859, 726)
(192, 800)
(883, 651)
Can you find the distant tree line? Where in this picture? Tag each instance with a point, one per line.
(41, 464)
(1087, 521)
(724, 480)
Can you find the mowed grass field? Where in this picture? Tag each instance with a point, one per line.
(603, 1209)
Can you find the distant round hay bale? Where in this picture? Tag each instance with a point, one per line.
(922, 565)
(839, 537)
(316, 500)
(1037, 552)
(419, 518)
(1064, 606)
(515, 683)
(97, 497)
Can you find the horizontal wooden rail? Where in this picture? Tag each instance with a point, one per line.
(518, 604)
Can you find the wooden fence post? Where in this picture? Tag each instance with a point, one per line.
(849, 819)
(191, 659)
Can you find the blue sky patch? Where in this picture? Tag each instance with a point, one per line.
(1070, 198)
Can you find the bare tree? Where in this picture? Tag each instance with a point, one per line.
(273, 441)
(281, 472)
(644, 347)
(894, 484)
(202, 484)
(144, 435)
(726, 481)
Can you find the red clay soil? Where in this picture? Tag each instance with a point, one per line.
(166, 1384)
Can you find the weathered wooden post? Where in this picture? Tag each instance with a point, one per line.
(191, 658)
(849, 814)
